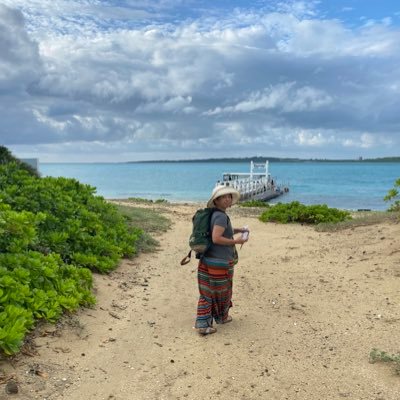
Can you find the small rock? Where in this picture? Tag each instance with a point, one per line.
(114, 315)
(11, 387)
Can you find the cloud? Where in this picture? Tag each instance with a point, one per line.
(313, 139)
(283, 98)
(132, 76)
(20, 64)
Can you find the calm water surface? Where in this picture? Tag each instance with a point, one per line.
(346, 185)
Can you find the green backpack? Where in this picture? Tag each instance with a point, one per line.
(200, 240)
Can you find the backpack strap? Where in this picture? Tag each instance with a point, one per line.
(186, 260)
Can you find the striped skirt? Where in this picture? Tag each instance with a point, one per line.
(215, 287)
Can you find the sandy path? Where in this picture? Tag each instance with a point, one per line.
(308, 308)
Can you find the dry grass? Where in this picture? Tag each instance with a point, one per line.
(362, 218)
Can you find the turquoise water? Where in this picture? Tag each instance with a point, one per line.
(345, 185)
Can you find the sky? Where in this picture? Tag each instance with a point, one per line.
(133, 80)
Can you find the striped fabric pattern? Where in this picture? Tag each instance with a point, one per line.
(215, 287)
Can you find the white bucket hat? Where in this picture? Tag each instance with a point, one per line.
(220, 191)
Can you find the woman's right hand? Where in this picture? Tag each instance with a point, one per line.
(241, 240)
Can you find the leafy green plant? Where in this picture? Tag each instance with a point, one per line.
(6, 157)
(382, 356)
(36, 286)
(53, 232)
(297, 212)
(14, 323)
(393, 194)
(83, 228)
(255, 203)
(18, 230)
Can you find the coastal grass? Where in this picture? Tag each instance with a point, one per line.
(382, 356)
(363, 218)
(151, 222)
(147, 201)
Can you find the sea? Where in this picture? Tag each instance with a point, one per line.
(344, 185)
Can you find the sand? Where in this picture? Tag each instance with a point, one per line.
(308, 308)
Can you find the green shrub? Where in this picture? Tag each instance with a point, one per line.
(18, 230)
(147, 201)
(36, 286)
(140, 200)
(297, 212)
(394, 194)
(83, 228)
(15, 321)
(52, 230)
(6, 157)
(382, 356)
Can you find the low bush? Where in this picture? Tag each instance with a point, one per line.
(53, 232)
(147, 201)
(6, 157)
(393, 194)
(82, 228)
(297, 212)
(36, 286)
(382, 356)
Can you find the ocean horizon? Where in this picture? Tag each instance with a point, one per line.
(341, 184)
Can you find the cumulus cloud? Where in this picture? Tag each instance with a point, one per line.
(313, 139)
(19, 54)
(282, 97)
(136, 79)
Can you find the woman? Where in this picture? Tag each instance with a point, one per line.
(215, 271)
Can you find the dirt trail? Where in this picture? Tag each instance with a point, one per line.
(308, 308)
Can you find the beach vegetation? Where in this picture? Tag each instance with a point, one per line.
(150, 221)
(393, 194)
(147, 219)
(147, 201)
(382, 356)
(81, 227)
(364, 218)
(255, 203)
(6, 157)
(53, 233)
(295, 212)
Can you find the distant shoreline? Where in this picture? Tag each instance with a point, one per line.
(242, 160)
(271, 159)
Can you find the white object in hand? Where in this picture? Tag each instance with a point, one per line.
(245, 233)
